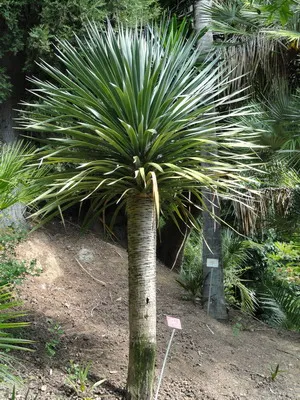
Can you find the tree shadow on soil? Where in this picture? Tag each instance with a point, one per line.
(53, 348)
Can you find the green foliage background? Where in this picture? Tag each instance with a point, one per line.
(30, 28)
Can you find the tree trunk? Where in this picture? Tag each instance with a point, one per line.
(8, 134)
(14, 215)
(213, 278)
(142, 297)
(13, 64)
(202, 19)
(213, 282)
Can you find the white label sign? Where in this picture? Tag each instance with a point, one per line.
(212, 263)
(173, 322)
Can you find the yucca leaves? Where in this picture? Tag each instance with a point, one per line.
(7, 303)
(10, 166)
(130, 112)
(15, 175)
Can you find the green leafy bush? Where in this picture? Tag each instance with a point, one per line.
(191, 280)
(278, 281)
(283, 262)
(261, 278)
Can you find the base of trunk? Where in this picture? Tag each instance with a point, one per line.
(142, 360)
(13, 216)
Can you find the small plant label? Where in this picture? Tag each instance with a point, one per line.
(174, 323)
(212, 263)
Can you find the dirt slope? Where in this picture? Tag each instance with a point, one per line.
(83, 288)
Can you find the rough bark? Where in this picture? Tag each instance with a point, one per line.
(212, 243)
(8, 134)
(13, 65)
(202, 20)
(212, 248)
(14, 215)
(142, 297)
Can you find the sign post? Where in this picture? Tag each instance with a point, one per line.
(173, 323)
(211, 263)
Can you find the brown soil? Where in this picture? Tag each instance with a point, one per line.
(83, 288)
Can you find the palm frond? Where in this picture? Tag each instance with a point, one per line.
(278, 121)
(281, 305)
(236, 256)
(235, 249)
(258, 49)
(237, 18)
(291, 36)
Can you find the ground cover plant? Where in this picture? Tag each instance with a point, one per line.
(12, 270)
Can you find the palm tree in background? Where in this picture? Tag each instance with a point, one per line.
(264, 55)
(259, 47)
(275, 203)
(127, 120)
(262, 50)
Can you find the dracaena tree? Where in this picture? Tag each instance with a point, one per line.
(130, 113)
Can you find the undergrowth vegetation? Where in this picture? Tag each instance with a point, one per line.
(12, 272)
(261, 279)
(236, 254)
(9, 319)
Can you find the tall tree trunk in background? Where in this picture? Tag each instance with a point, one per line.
(13, 64)
(213, 279)
(8, 134)
(142, 297)
(202, 20)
